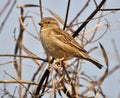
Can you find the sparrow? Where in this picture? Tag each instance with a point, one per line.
(59, 44)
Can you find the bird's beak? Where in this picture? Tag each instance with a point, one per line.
(41, 23)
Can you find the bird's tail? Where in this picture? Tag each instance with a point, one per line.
(88, 58)
(95, 62)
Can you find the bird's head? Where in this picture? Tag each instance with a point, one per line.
(49, 22)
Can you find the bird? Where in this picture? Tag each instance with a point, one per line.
(59, 44)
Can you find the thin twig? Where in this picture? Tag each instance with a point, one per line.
(4, 7)
(8, 14)
(66, 18)
(18, 81)
(41, 13)
(29, 57)
(114, 9)
(79, 13)
(89, 18)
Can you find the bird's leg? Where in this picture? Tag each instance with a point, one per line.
(59, 61)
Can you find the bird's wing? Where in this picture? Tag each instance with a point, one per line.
(67, 39)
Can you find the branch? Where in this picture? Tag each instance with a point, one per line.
(89, 18)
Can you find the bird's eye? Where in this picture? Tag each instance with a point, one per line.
(48, 22)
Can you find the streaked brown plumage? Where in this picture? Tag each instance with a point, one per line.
(60, 44)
